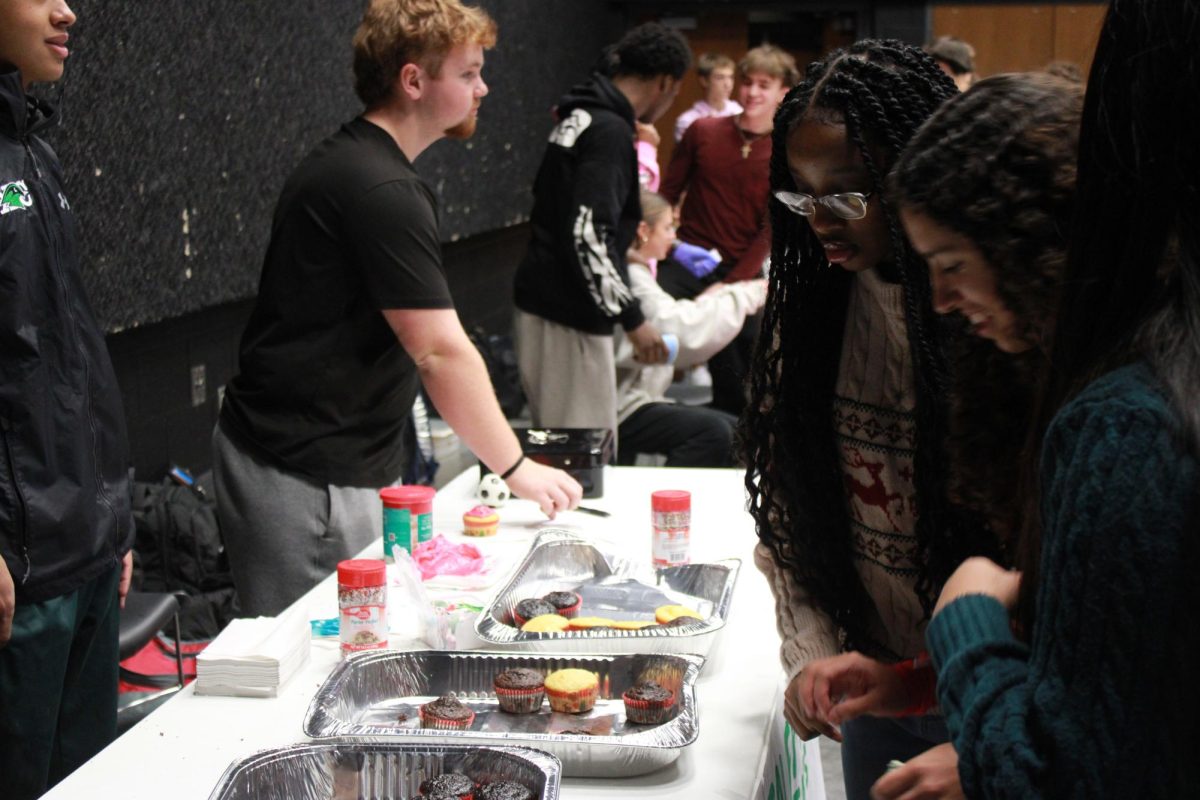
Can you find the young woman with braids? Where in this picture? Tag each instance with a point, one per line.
(1097, 698)
(985, 191)
(845, 468)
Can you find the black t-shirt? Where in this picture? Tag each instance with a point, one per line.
(324, 387)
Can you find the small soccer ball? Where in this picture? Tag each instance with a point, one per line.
(493, 490)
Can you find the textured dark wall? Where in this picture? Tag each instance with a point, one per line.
(182, 120)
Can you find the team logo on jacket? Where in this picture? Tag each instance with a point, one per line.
(14, 196)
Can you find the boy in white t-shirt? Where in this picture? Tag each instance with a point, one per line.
(715, 73)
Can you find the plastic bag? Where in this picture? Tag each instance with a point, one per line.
(410, 609)
(413, 615)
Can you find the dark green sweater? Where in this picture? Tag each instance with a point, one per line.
(1079, 711)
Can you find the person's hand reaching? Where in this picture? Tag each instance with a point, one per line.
(842, 687)
(552, 489)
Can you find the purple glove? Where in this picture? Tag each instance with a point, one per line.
(696, 260)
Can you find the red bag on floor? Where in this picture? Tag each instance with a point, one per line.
(153, 667)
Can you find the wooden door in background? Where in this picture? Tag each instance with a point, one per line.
(1076, 31)
(1016, 37)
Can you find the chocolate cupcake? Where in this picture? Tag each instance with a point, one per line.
(565, 603)
(531, 607)
(446, 713)
(449, 784)
(648, 703)
(504, 790)
(519, 690)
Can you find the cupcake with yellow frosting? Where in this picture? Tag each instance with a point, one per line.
(631, 624)
(481, 521)
(664, 615)
(545, 623)
(572, 691)
(588, 623)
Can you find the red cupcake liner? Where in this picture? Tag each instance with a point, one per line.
(468, 795)
(578, 702)
(442, 724)
(570, 612)
(520, 701)
(648, 712)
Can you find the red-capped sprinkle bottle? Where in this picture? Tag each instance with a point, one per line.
(671, 523)
(362, 605)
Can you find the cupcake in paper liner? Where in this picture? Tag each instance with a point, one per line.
(566, 604)
(481, 521)
(504, 790)
(529, 608)
(519, 690)
(446, 714)
(648, 703)
(449, 784)
(572, 691)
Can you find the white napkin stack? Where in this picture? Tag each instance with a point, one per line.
(253, 657)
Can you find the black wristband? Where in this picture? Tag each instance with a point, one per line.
(508, 472)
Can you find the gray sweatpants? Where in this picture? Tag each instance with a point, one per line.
(283, 531)
(569, 377)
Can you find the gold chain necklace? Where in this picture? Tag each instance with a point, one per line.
(747, 141)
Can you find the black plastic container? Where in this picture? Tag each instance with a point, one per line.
(582, 452)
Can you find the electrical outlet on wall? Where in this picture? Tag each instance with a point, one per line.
(199, 385)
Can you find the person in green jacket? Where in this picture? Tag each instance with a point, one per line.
(66, 530)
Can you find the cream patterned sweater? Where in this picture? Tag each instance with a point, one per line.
(875, 432)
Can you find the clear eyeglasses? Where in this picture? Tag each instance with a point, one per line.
(847, 205)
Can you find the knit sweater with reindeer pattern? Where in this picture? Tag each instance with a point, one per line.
(875, 433)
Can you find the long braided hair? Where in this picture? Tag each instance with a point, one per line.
(883, 90)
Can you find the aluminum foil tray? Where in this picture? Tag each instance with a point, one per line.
(377, 695)
(380, 771)
(615, 587)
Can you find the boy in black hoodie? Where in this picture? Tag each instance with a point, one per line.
(65, 523)
(573, 286)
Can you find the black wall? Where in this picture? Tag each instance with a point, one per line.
(168, 424)
(183, 119)
(181, 122)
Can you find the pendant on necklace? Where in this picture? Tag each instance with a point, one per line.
(745, 149)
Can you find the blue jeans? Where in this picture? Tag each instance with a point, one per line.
(869, 743)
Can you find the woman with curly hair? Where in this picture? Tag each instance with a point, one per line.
(985, 190)
(1094, 694)
(1099, 698)
(845, 470)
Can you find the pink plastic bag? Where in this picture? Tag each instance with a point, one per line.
(439, 556)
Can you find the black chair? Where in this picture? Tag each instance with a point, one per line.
(144, 615)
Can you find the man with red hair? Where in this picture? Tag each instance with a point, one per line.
(353, 313)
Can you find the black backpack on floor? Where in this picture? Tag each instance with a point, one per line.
(178, 549)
